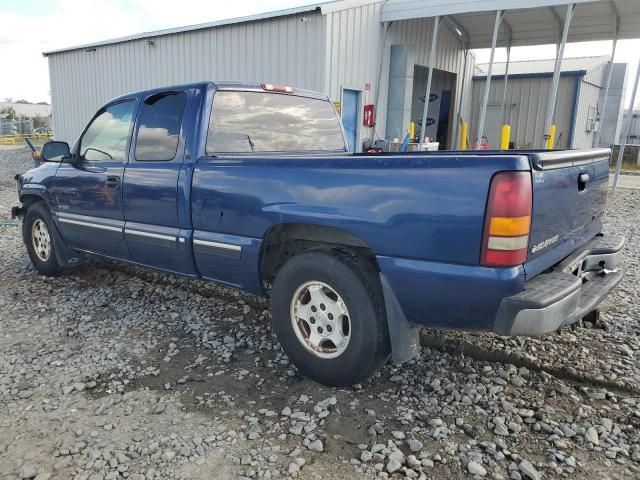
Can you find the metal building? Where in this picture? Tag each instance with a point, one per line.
(634, 128)
(577, 115)
(341, 48)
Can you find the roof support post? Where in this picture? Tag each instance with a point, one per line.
(487, 85)
(607, 84)
(427, 93)
(456, 139)
(503, 108)
(625, 138)
(553, 92)
(376, 104)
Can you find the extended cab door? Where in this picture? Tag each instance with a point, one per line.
(152, 183)
(89, 189)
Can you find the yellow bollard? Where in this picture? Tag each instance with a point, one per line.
(505, 137)
(464, 135)
(412, 130)
(552, 137)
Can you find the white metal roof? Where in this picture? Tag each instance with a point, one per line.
(526, 22)
(29, 110)
(524, 67)
(324, 7)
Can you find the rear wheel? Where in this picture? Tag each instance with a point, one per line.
(37, 231)
(329, 316)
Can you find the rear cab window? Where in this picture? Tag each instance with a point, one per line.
(258, 122)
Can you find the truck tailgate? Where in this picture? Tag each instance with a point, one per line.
(569, 197)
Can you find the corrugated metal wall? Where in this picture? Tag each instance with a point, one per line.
(587, 107)
(354, 42)
(634, 130)
(528, 97)
(280, 50)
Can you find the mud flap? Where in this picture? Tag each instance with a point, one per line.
(67, 258)
(405, 339)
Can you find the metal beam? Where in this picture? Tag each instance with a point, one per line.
(387, 25)
(487, 85)
(553, 93)
(456, 131)
(607, 84)
(625, 139)
(427, 93)
(503, 108)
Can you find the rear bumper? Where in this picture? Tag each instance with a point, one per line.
(575, 287)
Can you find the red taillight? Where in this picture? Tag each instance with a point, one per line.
(269, 87)
(507, 222)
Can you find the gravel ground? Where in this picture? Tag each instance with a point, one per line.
(112, 371)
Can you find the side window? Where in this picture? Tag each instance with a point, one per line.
(159, 130)
(106, 138)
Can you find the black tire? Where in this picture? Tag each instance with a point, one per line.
(358, 285)
(39, 214)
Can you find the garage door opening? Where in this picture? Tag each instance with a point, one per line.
(440, 115)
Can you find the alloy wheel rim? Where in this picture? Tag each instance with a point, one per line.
(41, 240)
(320, 319)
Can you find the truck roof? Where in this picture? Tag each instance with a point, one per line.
(222, 86)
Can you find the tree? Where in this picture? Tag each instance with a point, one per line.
(11, 113)
(39, 121)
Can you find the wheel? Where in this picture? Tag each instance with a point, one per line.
(328, 312)
(37, 233)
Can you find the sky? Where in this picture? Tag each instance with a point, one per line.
(30, 27)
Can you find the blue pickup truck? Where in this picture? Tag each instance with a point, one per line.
(251, 186)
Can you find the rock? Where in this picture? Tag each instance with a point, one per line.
(293, 468)
(415, 445)
(27, 471)
(528, 470)
(366, 456)
(398, 435)
(393, 466)
(591, 435)
(168, 455)
(316, 446)
(474, 468)
(501, 430)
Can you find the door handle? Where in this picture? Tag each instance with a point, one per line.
(113, 182)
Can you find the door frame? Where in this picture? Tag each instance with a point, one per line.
(358, 113)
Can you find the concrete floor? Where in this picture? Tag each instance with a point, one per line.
(627, 181)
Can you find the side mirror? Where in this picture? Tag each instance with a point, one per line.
(55, 151)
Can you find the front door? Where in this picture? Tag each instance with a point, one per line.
(151, 178)
(89, 190)
(350, 117)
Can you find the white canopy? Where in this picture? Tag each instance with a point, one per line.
(525, 22)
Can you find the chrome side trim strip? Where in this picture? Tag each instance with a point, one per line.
(89, 224)
(222, 246)
(149, 235)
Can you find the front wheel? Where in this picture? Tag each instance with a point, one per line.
(37, 231)
(329, 316)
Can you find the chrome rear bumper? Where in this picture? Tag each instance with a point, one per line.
(575, 288)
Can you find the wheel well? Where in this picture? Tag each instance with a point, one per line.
(28, 200)
(284, 241)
